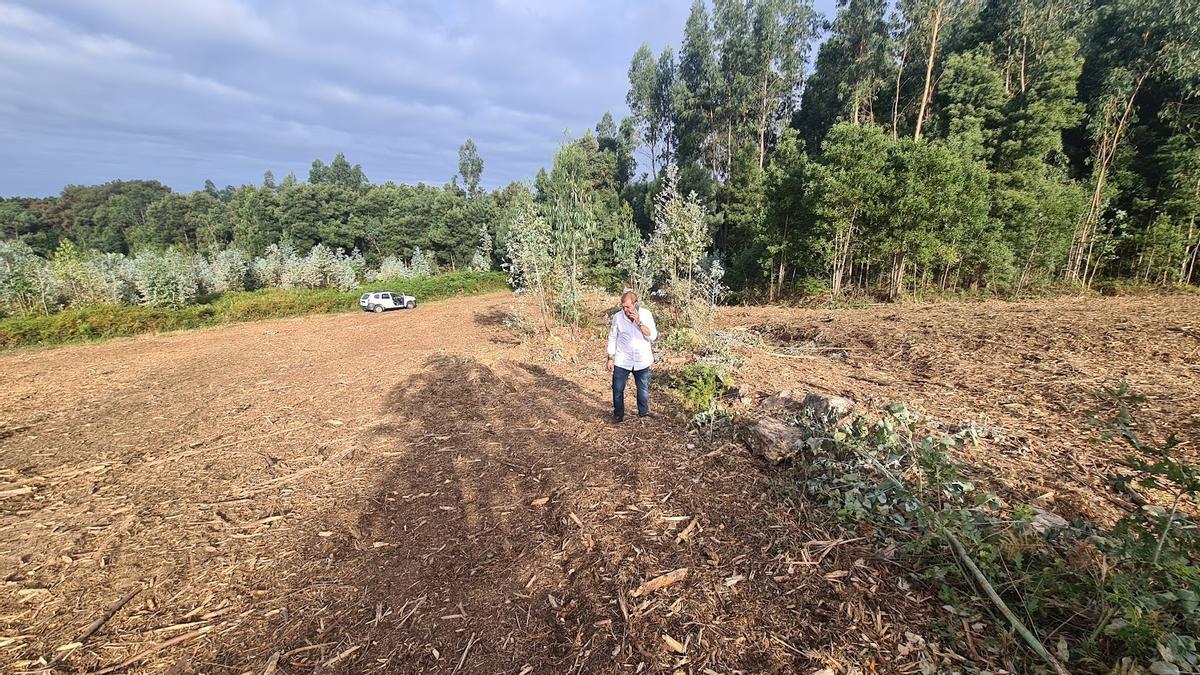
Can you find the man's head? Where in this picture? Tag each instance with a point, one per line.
(629, 305)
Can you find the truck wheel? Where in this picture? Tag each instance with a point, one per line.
(411, 304)
(377, 309)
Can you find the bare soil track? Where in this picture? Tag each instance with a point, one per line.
(426, 492)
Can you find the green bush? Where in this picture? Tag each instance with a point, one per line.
(107, 321)
(699, 386)
(680, 340)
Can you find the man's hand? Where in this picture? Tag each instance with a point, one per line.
(632, 314)
(610, 364)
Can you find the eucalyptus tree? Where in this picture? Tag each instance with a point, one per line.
(851, 68)
(470, 166)
(1134, 43)
(781, 37)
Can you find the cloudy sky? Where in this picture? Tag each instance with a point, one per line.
(184, 90)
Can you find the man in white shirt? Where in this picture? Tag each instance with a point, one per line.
(629, 341)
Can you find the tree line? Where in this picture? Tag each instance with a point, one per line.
(941, 144)
(337, 207)
(893, 148)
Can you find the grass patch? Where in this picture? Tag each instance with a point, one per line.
(99, 322)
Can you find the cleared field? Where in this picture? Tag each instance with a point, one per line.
(1025, 373)
(423, 491)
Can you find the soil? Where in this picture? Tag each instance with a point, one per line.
(431, 491)
(1026, 375)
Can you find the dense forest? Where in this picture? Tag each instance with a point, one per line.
(937, 145)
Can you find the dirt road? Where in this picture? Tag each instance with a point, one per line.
(423, 491)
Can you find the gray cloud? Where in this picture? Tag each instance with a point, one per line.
(186, 90)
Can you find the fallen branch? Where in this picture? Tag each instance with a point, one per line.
(463, 658)
(155, 649)
(16, 492)
(272, 664)
(94, 626)
(1030, 639)
(341, 656)
(108, 614)
(961, 553)
(687, 531)
(660, 582)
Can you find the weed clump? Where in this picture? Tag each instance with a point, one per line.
(699, 386)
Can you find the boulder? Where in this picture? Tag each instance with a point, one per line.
(775, 440)
(819, 406)
(827, 407)
(1044, 521)
(784, 400)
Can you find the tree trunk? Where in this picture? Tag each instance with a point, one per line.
(1023, 51)
(841, 255)
(933, 44)
(1189, 254)
(1189, 249)
(762, 120)
(653, 156)
(1008, 86)
(896, 99)
(1106, 152)
(897, 280)
(728, 149)
(783, 252)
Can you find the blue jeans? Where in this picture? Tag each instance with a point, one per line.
(642, 379)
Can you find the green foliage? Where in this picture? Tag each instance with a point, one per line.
(470, 166)
(851, 67)
(679, 339)
(165, 279)
(953, 147)
(699, 386)
(107, 321)
(339, 173)
(1132, 590)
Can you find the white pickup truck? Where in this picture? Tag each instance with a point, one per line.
(381, 301)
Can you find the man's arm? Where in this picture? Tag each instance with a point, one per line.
(646, 325)
(612, 342)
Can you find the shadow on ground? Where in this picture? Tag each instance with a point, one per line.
(507, 525)
(497, 320)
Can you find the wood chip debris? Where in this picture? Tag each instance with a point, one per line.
(660, 582)
(674, 645)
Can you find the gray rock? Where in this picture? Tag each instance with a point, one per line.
(1044, 521)
(819, 406)
(784, 400)
(775, 440)
(827, 407)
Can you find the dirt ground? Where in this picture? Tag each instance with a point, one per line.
(427, 491)
(1025, 374)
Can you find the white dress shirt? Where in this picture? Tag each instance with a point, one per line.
(627, 346)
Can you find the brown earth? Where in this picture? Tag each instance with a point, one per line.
(428, 491)
(1026, 374)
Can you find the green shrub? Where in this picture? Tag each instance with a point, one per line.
(699, 386)
(810, 287)
(680, 340)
